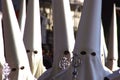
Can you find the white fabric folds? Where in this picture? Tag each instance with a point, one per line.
(86, 64)
(32, 38)
(15, 51)
(112, 58)
(63, 37)
(2, 56)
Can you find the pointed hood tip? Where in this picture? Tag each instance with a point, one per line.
(87, 46)
(88, 34)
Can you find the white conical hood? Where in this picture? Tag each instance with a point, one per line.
(32, 38)
(63, 31)
(103, 48)
(86, 61)
(112, 57)
(63, 34)
(22, 16)
(2, 57)
(14, 48)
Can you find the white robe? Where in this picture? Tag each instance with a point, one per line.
(15, 51)
(87, 47)
(32, 38)
(2, 56)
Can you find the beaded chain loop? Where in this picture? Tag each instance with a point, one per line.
(76, 63)
(6, 71)
(64, 63)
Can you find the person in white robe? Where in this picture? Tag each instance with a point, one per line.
(32, 38)
(104, 50)
(86, 63)
(112, 58)
(15, 52)
(63, 38)
(2, 56)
